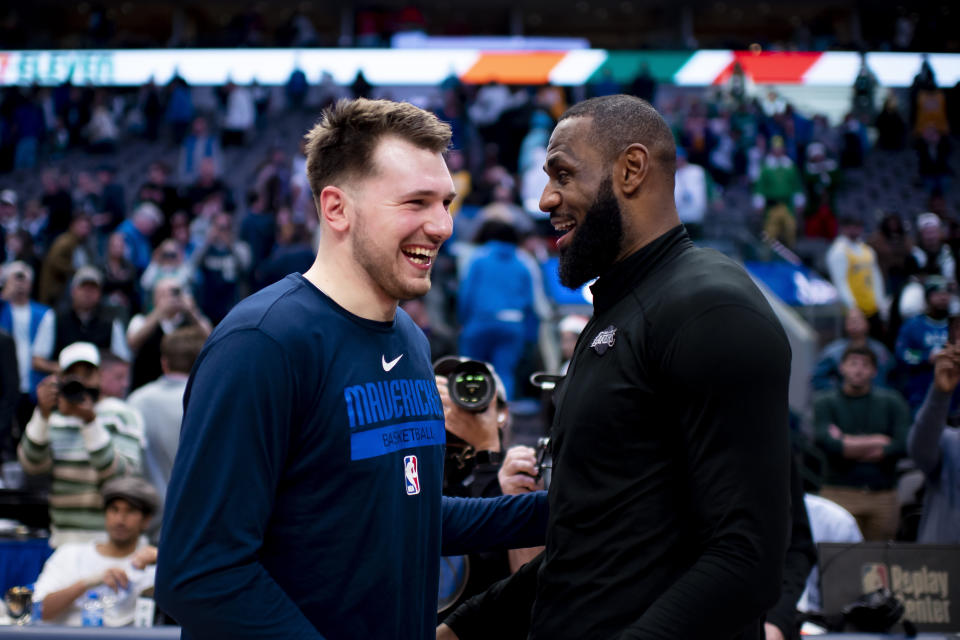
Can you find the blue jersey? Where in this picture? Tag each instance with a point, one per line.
(305, 497)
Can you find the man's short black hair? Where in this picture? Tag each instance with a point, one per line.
(621, 120)
(866, 352)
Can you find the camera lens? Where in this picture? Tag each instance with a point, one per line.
(472, 386)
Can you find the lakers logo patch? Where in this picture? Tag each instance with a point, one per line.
(604, 340)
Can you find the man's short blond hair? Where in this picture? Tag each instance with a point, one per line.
(342, 144)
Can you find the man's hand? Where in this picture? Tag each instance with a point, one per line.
(445, 633)
(83, 410)
(946, 369)
(480, 430)
(771, 632)
(518, 473)
(143, 557)
(47, 392)
(115, 578)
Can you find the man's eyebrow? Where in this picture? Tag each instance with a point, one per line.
(427, 193)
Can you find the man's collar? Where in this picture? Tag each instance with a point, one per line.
(630, 271)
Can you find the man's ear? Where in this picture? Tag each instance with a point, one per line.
(332, 203)
(632, 168)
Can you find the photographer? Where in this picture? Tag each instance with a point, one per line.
(66, 439)
(173, 308)
(473, 469)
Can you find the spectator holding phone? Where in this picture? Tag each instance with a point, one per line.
(173, 308)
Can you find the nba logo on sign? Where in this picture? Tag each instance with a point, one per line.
(410, 477)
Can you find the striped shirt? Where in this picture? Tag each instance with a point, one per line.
(80, 458)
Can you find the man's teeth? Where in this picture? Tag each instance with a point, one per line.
(564, 225)
(420, 255)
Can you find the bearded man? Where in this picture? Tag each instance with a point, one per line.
(669, 496)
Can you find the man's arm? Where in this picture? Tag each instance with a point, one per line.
(502, 611)
(488, 524)
(234, 442)
(728, 371)
(923, 441)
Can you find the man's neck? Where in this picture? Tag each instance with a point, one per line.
(111, 549)
(18, 301)
(350, 287)
(858, 341)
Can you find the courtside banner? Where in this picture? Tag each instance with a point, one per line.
(924, 577)
(424, 67)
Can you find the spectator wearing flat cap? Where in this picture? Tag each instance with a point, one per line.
(119, 565)
(86, 320)
(77, 446)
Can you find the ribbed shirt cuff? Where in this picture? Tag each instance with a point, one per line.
(38, 429)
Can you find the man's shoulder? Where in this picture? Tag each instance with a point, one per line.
(888, 396)
(700, 279)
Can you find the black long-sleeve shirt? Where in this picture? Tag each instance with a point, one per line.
(669, 500)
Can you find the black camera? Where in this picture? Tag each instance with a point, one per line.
(75, 392)
(472, 383)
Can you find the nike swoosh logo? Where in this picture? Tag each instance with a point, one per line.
(389, 365)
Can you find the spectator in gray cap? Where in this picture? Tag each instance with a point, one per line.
(85, 320)
(121, 566)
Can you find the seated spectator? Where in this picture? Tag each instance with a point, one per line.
(57, 201)
(920, 339)
(826, 374)
(220, 265)
(68, 440)
(32, 326)
(862, 431)
(85, 319)
(138, 230)
(173, 308)
(935, 449)
(240, 115)
(829, 522)
(120, 563)
(893, 248)
(112, 197)
(70, 250)
(161, 404)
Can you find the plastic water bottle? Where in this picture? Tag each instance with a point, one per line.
(92, 610)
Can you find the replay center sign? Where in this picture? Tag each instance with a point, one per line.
(923, 577)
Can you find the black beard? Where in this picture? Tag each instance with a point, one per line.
(596, 242)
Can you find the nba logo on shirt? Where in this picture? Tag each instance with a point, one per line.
(410, 477)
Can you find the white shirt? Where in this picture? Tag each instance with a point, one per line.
(829, 522)
(74, 561)
(42, 345)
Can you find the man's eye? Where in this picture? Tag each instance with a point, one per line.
(416, 203)
(563, 177)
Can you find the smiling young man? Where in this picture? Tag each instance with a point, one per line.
(669, 493)
(305, 499)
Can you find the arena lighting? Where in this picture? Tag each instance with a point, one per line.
(416, 67)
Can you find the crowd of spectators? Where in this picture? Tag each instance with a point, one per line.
(116, 290)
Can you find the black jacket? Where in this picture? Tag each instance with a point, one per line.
(669, 502)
